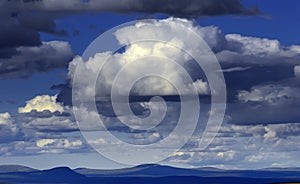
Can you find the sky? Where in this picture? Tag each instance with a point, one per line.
(51, 49)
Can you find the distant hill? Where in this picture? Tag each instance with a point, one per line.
(141, 170)
(15, 168)
(153, 170)
(148, 173)
(56, 175)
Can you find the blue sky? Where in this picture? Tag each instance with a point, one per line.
(260, 80)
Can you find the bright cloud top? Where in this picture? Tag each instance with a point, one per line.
(153, 55)
(42, 103)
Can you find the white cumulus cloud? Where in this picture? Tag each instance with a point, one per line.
(42, 103)
(164, 60)
(8, 127)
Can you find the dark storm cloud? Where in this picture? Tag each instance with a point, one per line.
(188, 8)
(41, 22)
(27, 60)
(195, 8)
(12, 34)
(30, 17)
(21, 50)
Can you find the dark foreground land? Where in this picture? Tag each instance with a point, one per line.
(148, 174)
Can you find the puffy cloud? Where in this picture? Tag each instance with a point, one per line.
(253, 146)
(260, 79)
(283, 130)
(49, 124)
(144, 138)
(44, 142)
(214, 38)
(297, 71)
(201, 86)
(238, 55)
(228, 155)
(270, 94)
(242, 51)
(29, 59)
(181, 156)
(42, 103)
(270, 134)
(38, 146)
(136, 54)
(44, 114)
(5, 118)
(58, 143)
(272, 103)
(252, 45)
(8, 128)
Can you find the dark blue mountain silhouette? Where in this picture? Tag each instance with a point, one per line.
(148, 173)
(56, 175)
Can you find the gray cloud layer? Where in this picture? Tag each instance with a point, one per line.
(189, 8)
(27, 60)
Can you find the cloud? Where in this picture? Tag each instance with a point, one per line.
(33, 133)
(270, 93)
(30, 59)
(8, 128)
(21, 50)
(253, 51)
(190, 8)
(261, 128)
(44, 114)
(252, 45)
(297, 71)
(39, 146)
(26, 19)
(22, 22)
(157, 64)
(261, 79)
(58, 143)
(253, 146)
(42, 103)
(238, 55)
(4, 117)
(234, 147)
(48, 124)
(44, 142)
(14, 35)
